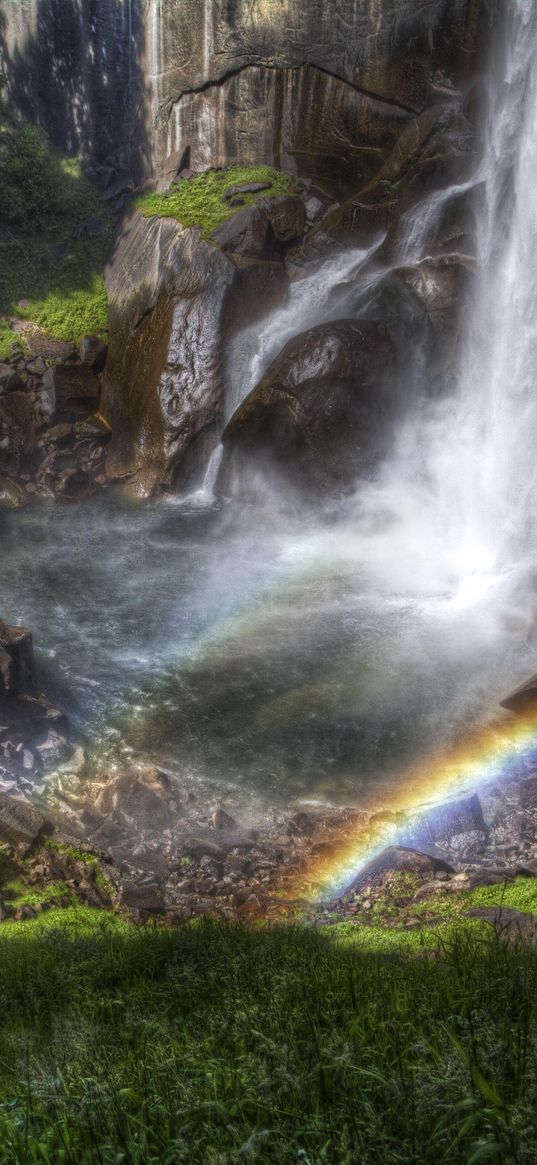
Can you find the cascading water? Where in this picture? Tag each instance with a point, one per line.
(457, 499)
(321, 658)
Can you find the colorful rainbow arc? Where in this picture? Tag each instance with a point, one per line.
(487, 755)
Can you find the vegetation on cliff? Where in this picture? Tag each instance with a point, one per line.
(55, 234)
(200, 201)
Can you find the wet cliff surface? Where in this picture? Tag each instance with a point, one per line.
(306, 85)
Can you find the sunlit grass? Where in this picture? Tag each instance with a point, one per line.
(200, 201)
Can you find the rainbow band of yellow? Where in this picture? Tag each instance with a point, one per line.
(490, 754)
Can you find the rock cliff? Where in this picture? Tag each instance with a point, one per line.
(300, 83)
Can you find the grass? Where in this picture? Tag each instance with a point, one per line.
(51, 270)
(200, 201)
(219, 1044)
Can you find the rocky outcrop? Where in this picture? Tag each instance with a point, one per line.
(33, 733)
(523, 700)
(318, 418)
(52, 438)
(173, 301)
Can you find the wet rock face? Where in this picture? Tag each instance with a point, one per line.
(334, 81)
(173, 300)
(319, 418)
(297, 82)
(52, 438)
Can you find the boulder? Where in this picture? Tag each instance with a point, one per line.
(320, 417)
(245, 233)
(10, 379)
(17, 431)
(458, 822)
(174, 301)
(12, 496)
(286, 215)
(16, 660)
(136, 797)
(73, 382)
(20, 824)
(523, 701)
(93, 352)
(399, 859)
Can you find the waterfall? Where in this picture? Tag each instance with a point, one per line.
(455, 505)
(321, 295)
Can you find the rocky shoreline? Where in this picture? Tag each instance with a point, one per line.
(129, 836)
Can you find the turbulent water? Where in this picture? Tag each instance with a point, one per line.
(280, 659)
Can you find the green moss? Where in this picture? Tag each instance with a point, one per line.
(79, 855)
(200, 201)
(17, 893)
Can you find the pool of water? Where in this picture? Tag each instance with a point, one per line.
(262, 662)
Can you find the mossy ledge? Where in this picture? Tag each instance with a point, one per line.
(200, 201)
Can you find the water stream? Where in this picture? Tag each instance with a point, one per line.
(276, 658)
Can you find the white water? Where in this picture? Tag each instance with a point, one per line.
(456, 503)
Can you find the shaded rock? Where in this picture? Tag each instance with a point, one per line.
(460, 817)
(516, 925)
(400, 859)
(93, 352)
(142, 897)
(320, 417)
(17, 660)
(74, 382)
(17, 431)
(10, 380)
(20, 824)
(246, 188)
(223, 820)
(244, 233)
(286, 215)
(524, 699)
(135, 798)
(527, 793)
(12, 496)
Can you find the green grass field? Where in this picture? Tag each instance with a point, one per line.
(217, 1044)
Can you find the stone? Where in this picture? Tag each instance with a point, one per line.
(20, 824)
(223, 820)
(17, 660)
(134, 798)
(321, 416)
(10, 380)
(17, 432)
(12, 496)
(74, 382)
(286, 215)
(523, 701)
(143, 897)
(527, 793)
(401, 859)
(93, 352)
(245, 233)
(246, 188)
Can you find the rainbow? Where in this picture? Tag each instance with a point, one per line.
(489, 754)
